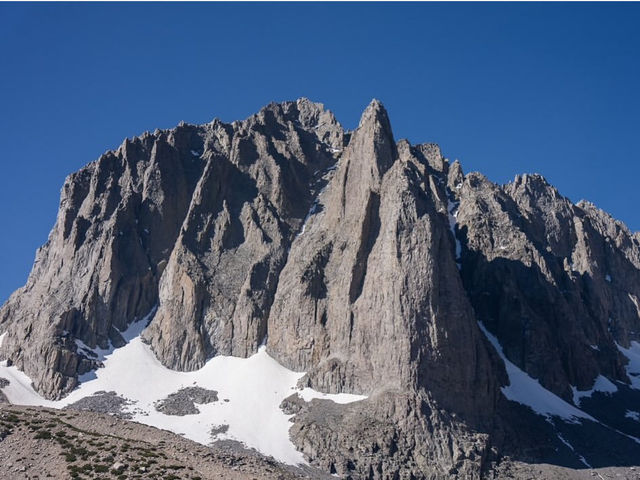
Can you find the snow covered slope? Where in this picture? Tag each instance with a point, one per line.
(249, 392)
(633, 367)
(601, 384)
(528, 391)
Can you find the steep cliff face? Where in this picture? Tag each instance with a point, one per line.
(370, 298)
(376, 266)
(370, 301)
(99, 270)
(558, 283)
(195, 220)
(247, 206)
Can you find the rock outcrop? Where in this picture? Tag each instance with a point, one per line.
(558, 283)
(363, 261)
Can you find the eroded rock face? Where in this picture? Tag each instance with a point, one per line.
(215, 295)
(118, 221)
(367, 289)
(392, 435)
(196, 220)
(558, 283)
(363, 261)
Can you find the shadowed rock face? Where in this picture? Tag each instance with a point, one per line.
(363, 261)
(558, 283)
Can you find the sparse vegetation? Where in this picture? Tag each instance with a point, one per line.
(43, 435)
(86, 454)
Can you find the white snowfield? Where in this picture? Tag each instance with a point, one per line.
(601, 384)
(528, 391)
(250, 391)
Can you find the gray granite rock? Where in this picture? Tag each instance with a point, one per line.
(103, 402)
(183, 402)
(557, 283)
(364, 261)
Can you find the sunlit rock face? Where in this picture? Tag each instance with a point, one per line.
(477, 320)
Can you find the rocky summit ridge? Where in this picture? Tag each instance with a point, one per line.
(376, 266)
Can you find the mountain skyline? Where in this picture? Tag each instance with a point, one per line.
(381, 312)
(506, 89)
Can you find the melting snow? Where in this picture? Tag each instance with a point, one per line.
(254, 388)
(633, 415)
(634, 299)
(633, 367)
(309, 394)
(601, 384)
(312, 210)
(314, 206)
(528, 391)
(570, 447)
(452, 210)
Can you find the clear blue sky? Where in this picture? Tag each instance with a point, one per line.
(506, 88)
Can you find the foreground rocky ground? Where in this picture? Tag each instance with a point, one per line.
(39, 443)
(520, 471)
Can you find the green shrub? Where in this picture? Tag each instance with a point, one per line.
(43, 435)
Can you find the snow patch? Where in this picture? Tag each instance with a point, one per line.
(633, 367)
(254, 388)
(2, 338)
(633, 415)
(452, 210)
(601, 384)
(313, 210)
(528, 391)
(608, 278)
(570, 447)
(310, 213)
(308, 394)
(195, 154)
(634, 299)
